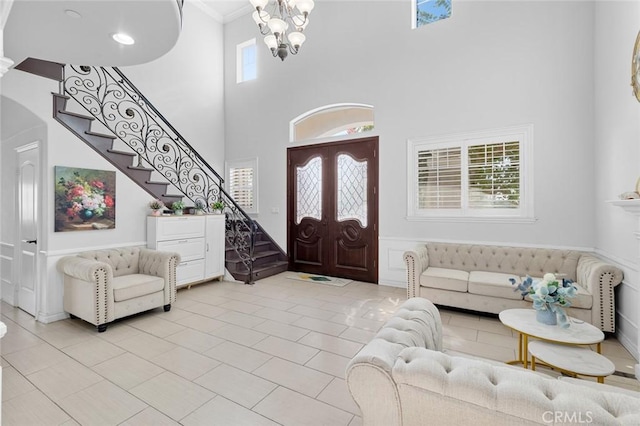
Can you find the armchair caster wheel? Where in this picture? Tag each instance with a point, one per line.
(102, 328)
(167, 308)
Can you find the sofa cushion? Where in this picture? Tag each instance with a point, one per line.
(446, 279)
(583, 299)
(493, 284)
(123, 261)
(127, 287)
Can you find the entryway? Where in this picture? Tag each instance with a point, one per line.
(332, 209)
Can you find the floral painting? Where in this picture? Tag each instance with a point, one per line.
(85, 199)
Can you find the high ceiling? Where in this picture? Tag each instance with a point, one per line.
(224, 10)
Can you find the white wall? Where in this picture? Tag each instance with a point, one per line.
(188, 70)
(617, 154)
(492, 64)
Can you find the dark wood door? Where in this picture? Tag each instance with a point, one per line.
(332, 209)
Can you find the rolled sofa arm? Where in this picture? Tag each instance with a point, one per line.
(417, 260)
(599, 278)
(88, 289)
(161, 264)
(84, 269)
(416, 323)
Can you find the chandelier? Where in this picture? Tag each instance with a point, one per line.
(283, 26)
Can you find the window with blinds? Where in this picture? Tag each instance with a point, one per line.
(480, 174)
(241, 184)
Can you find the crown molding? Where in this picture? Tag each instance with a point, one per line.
(208, 10)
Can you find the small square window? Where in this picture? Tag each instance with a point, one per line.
(246, 64)
(424, 12)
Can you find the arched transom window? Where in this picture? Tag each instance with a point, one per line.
(332, 120)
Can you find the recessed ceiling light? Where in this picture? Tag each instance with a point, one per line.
(72, 13)
(123, 38)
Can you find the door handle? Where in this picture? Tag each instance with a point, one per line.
(31, 241)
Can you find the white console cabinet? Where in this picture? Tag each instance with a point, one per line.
(198, 239)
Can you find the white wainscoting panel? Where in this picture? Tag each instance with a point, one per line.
(7, 287)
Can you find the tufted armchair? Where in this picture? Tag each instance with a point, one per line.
(103, 285)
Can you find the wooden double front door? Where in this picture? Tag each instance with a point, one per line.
(332, 209)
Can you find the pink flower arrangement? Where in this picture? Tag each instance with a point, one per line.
(84, 199)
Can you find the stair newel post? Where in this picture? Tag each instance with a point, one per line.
(252, 245)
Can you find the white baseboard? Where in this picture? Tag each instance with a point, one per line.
(53, 317)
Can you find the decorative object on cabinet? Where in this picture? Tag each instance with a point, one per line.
(177, 207)
(103, 285)
(217, 207)
(199, 207)
(85, 199)
(635, 68)
(156, 207)
(198, 239)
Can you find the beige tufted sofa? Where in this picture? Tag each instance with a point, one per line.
(476, 277)
(402, 377)
(103, 285)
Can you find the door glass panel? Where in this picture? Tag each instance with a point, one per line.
(352, 189)
(309, 187)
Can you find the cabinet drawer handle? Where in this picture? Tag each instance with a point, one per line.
(183, 241)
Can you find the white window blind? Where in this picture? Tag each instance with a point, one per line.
(482, 174)
(241, 183)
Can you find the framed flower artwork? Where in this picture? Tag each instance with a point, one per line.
(85, 199)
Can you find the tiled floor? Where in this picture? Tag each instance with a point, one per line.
(226, 354)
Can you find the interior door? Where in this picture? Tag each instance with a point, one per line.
(332, 211)
(27, 219)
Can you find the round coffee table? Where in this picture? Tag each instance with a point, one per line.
(524, 322)
(574, 360)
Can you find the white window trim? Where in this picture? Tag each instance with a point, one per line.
(244, 163)
(240, 63)
(524, 214)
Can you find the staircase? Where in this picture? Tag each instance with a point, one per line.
(155, 147)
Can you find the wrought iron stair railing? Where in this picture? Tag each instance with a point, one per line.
(109, 96)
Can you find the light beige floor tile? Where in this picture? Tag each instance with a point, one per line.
(195, 340)
(32, 408)
(17, 339)
(306, 301)
(127, 370)
(146, 346)
(624, 365)
(356, 321)
(118, 331)
(93, 351)
(236, 385)
(329, 363)
(238, 356)
(320, 326)
(612, 347)
(293, 376)
(201, 323)
(14, 384)
(155, 325)
(173, 315)
(240, 335)
(465, 333)
(281, 330)
(183, 301)
(357, 335)
(238, 306)
(185, 362)
(269, 302)
(497, 339)
(277, 315)
(356, 421)
(102, 404)
(35, 358)
(63, 333)
(492, 325)
(221, 411)
(331, 344)
(209, 299)
(63, 379)
(379, 314)
(312, 312)
(337, 395)
(286, 349)
(292, 409)
(339, 308)
(238, 318)
(241, 295)
(172, 395)
(149, 417)
(204, 309)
